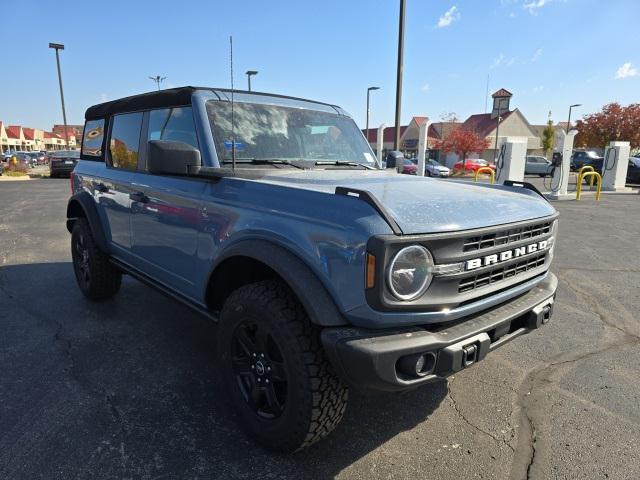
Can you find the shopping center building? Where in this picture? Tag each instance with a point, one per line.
(19, 138)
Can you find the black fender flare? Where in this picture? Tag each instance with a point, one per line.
(83, 205)
(304, 283)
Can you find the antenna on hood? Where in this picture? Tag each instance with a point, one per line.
(233, 125)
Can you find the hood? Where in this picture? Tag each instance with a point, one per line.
(426, 205)
(441, 168)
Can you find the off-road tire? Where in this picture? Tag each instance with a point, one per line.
(316, 399)
(101, 279)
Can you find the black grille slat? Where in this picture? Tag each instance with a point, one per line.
(501, 273)
(504, 237)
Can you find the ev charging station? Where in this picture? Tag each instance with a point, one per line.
(511, 160)
(422, 146)
(614, 167)
(560, 176)
(379, 144)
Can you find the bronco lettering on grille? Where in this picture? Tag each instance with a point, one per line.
(506, 255)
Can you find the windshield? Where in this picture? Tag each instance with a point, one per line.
(268, 132)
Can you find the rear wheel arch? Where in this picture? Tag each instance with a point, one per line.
(252, 261)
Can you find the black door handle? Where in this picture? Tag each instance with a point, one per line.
(102, 188)
(139, 197)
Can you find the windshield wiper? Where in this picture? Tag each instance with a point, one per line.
(343, 163)
(266, 161)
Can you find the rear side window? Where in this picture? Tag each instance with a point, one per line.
(125, 140)
(173, 124)
(92, 138)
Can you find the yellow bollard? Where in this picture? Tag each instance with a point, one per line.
(598, 179)
(485, 170)
(583, 169)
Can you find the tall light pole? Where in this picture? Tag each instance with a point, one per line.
(158, 79)
(495, 153)
(250, 73)
(569, 120)
(396, 142)
(57, 47)
(368, 92)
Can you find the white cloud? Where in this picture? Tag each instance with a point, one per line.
(533, 6)
(538, 89)
(426, 87)
(103, 97)
(503, 61)
(536, 55)
(627, 70)
(450, 16)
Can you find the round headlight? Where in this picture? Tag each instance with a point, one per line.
(409, 273)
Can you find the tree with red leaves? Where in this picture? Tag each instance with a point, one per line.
(462, 142)
(613, 123)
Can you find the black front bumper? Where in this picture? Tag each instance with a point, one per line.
(374, 359)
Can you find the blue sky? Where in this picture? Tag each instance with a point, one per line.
(549, 53)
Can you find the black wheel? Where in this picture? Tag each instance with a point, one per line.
(428, 173)
(275, 372)
(97, 277)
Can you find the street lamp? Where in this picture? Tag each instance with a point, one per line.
(396, 142)
(569, 120)
(250, 73)
(368, 92)
(158, 79)
(57, 47)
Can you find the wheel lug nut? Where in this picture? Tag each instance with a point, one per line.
(253, 367)
(266, 380)
(254, 354)
(262, 355)
(268, 369)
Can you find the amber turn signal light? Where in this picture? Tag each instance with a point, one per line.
(371, 271)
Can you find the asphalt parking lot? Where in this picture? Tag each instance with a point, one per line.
(127, 388)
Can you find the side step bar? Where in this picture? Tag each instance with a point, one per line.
(163, 289)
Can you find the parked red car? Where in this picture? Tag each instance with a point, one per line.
(473, 164)
(409, 168)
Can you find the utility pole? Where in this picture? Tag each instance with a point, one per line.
(57, 47)
(486, 95)
(368, 92)
(396, 143)
(250, 73)
(158, 80)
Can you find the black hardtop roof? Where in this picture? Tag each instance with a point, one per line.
(171, 97)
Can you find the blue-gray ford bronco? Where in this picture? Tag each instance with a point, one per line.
(267, 214)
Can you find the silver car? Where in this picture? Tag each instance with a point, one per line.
(537, 165)
(434, 169)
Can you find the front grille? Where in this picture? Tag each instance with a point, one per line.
(504, 237)
(501, 273)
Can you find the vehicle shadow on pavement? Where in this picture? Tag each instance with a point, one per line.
(128, 388)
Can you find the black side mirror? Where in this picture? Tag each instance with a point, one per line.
(172, 158)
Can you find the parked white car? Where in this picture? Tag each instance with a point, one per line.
(434, 169)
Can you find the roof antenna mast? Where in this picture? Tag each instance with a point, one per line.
(233, 126)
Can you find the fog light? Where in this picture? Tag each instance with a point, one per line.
(418, 364)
